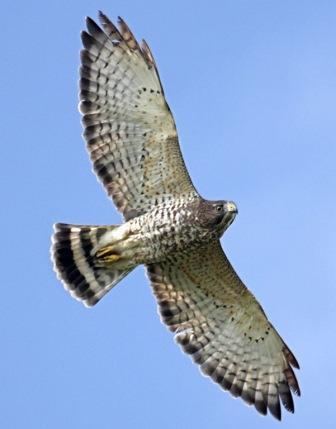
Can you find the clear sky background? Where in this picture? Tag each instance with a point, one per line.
(252, 85)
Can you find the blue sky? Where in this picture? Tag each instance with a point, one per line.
(252, 85)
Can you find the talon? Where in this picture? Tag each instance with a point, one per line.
(111, 258)
(108, 255)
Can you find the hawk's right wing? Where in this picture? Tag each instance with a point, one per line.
(128, 126)
(220, 324)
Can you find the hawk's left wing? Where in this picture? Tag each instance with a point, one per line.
(220, 324)
(128, 126)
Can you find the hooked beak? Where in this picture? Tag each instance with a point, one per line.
(230, 207)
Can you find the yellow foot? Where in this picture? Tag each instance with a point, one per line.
(108, 255)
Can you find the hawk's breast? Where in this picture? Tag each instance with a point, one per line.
(172, 227)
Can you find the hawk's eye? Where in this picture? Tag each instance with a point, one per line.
(219, 208)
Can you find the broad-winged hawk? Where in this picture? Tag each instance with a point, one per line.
(133, 144)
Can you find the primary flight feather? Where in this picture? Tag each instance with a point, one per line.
(133, 144)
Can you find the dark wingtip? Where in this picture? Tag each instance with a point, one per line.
(275, 410)
(102, 17)
(260, 406)
(290, 357)
(292, 381)
(292, 360)
(86, 39)
(90, 23)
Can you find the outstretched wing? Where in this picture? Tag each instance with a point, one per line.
(220, 324)
(129, 129)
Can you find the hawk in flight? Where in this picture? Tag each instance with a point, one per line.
(133, 144)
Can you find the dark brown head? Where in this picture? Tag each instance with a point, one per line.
(216, 215)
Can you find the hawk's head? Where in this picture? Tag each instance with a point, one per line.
(217, 215)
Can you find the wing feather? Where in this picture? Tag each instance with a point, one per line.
(128, 126)
(218, 322)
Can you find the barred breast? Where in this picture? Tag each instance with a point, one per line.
(169, 228)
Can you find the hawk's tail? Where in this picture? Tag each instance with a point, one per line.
(78, 264)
